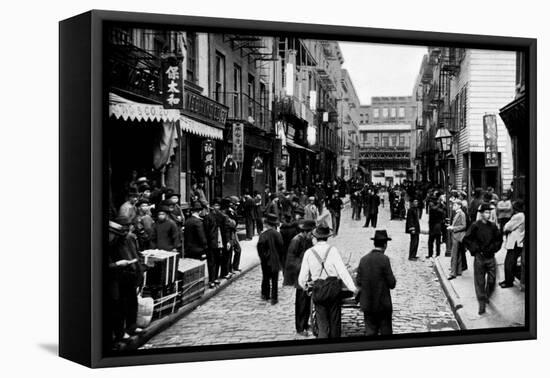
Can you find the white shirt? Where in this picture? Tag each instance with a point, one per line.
(516, 228)
(334, 266)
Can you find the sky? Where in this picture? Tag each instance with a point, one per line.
(382, 69)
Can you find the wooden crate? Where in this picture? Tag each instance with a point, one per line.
(191, 270)
(166, 305)
(192, 291)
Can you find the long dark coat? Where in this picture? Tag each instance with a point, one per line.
(412, 221)
(249, 208)
(298, 246)
(288, 231)
(194, 238)
(436, 219)
(214, 221)
(375, 279)
(373, 203)
(270, 247)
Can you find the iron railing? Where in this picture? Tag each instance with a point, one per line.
(131, 68)
(243, 107)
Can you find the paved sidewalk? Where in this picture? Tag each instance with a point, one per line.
(506, 307)
(249, 260)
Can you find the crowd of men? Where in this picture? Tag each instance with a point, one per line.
(293, 227)
(480, 225)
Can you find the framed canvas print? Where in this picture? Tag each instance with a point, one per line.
(235, 188)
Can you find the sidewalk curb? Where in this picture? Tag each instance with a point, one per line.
(162, 324)
(451, 294)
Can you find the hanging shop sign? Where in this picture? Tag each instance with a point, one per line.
(491, 140)
(285, 159)
(258, 164)
(208, 157)
(172, 83)
(229, 164)
(291, 133)
(311, 135)
(281, 179)
(204, 109)
(277, 152)
(238, 142)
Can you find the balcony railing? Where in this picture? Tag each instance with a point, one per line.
(450, 60)
(294, 107)
(372, 146)
(131, 68)
(448, 120)
(243, 107)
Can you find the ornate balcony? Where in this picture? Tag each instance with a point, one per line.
(244, 108)
(131, 69)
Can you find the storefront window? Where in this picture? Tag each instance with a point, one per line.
(220, 78)
(251, 95)
(191, 57)
(237, 88)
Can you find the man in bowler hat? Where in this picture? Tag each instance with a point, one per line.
(270, 247)
(375, 279)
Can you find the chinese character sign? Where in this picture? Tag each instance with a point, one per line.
(172, 84)
(208, 157)
(491, 140)
(238, 142)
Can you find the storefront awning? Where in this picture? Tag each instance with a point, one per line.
(198, 128)
(290, 143)
(119, 107)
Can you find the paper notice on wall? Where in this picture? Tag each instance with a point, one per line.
(491, 140)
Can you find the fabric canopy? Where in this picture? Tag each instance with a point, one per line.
(198, 128)
(167, 145)
(119, 107)
(294, 145)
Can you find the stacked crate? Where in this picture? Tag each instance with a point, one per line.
(192, 274)
(160, 281)
(172, 282)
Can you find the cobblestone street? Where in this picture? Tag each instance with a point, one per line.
(237, 314)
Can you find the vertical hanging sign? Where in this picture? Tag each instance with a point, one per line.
(238, 142)
(172, 83)
(208, 157)
(491, 140)
(277, 152)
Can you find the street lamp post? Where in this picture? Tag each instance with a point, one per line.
(444, 140)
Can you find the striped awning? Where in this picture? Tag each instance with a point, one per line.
(120, 107)
(198, 128)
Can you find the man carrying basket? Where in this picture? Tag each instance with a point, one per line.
(324, 274)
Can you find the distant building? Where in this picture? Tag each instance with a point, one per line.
(456, 89)
(385, 139)
(348, 159)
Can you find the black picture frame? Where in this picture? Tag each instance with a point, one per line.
(82, 189)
